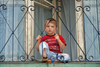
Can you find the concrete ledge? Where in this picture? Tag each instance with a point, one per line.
(76, 62)
(40, 64)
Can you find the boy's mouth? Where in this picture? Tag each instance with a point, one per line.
(49, 30)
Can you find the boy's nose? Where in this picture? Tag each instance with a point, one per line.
(49, 27)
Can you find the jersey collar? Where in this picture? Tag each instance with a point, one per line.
(50, 35)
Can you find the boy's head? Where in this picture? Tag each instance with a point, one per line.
(50, 26)
(50, 20)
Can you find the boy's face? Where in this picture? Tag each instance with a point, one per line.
(50, 28)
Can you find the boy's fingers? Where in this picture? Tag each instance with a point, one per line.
(38, 37)
(56, 35)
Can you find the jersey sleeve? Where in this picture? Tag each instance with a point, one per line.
(62, 39)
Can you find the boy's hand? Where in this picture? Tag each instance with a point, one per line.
(56, 37)
(38, 37)
(62, 46)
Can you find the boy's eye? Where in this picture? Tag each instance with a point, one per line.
(47, 26)
(52, 26)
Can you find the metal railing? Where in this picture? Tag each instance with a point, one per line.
(12, 46)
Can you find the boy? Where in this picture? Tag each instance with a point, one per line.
(49, 45)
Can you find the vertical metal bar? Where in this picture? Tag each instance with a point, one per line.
(27, 29)
(41, 17)
(13, 30)
(98, 24)
(84, 33)
(41, 26)
(70, 29)
(55, 10)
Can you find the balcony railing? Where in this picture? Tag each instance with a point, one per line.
(21, 22)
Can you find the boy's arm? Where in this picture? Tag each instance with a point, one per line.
(62, 46)
(37, 45)
(38, 42)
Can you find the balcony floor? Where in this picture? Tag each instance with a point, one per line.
(40, 64)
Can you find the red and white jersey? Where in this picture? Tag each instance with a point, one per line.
(52, 42)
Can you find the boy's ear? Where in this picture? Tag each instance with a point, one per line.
(44, 27)
(57, 28)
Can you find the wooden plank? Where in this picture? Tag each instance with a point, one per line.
(45, 1)
(41, 4)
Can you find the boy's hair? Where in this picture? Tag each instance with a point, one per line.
(50, 20)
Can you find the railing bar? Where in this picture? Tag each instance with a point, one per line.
(20, 34)
(20, 44)
(71, 35)
(41, 32)
(6, 2)
(12, 31)
(27, 2)
(98, 23)
(20, 21)
(90, 21)
(5, 20)
(5, 43)
(34, 21)
(92, 45)
(70, 31)
(76, 21)
(93, 27)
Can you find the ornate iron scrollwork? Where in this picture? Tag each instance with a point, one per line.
(90, 58)
(53, 59)
(2, 58)
(62, 58)
(87, 8)
(31, 7)
(22, 58)
(80, 58)
(59, 9)
(23, 7)
(4, 7)
(51, 7)
(78, 8)
(33, 58)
